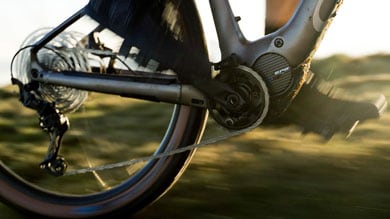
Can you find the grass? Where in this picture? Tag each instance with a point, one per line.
(264, 175)
(272, 172)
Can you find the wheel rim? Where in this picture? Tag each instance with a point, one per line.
(60, 194)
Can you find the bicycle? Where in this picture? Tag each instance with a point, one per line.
(57, 70)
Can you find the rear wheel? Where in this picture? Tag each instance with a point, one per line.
(104, 129)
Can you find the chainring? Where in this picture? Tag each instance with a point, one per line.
(252, 89)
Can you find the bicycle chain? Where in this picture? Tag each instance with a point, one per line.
(232, 133)
(164, 154)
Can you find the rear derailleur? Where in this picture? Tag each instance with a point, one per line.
(51, 121)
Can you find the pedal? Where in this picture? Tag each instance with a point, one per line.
(378, 106)
(317, 112)
(381, 104)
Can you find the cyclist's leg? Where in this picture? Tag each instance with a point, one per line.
(138, 22)
(278, 13)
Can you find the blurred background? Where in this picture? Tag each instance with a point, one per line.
(360, 27)
(271, 173)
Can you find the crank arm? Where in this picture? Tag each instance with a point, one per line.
(160, 90)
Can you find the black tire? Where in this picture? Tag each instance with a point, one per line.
(21, 185)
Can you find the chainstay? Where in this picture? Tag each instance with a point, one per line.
(134, 161)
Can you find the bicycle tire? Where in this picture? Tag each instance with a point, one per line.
(144, 187)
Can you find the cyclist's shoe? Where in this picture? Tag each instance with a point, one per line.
(316, 110)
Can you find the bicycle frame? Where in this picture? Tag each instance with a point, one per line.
(295, 42)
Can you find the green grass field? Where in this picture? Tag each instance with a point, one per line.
(281, 173)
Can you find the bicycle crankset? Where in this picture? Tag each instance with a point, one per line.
(247, 106)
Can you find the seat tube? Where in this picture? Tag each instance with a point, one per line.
(229, 33)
